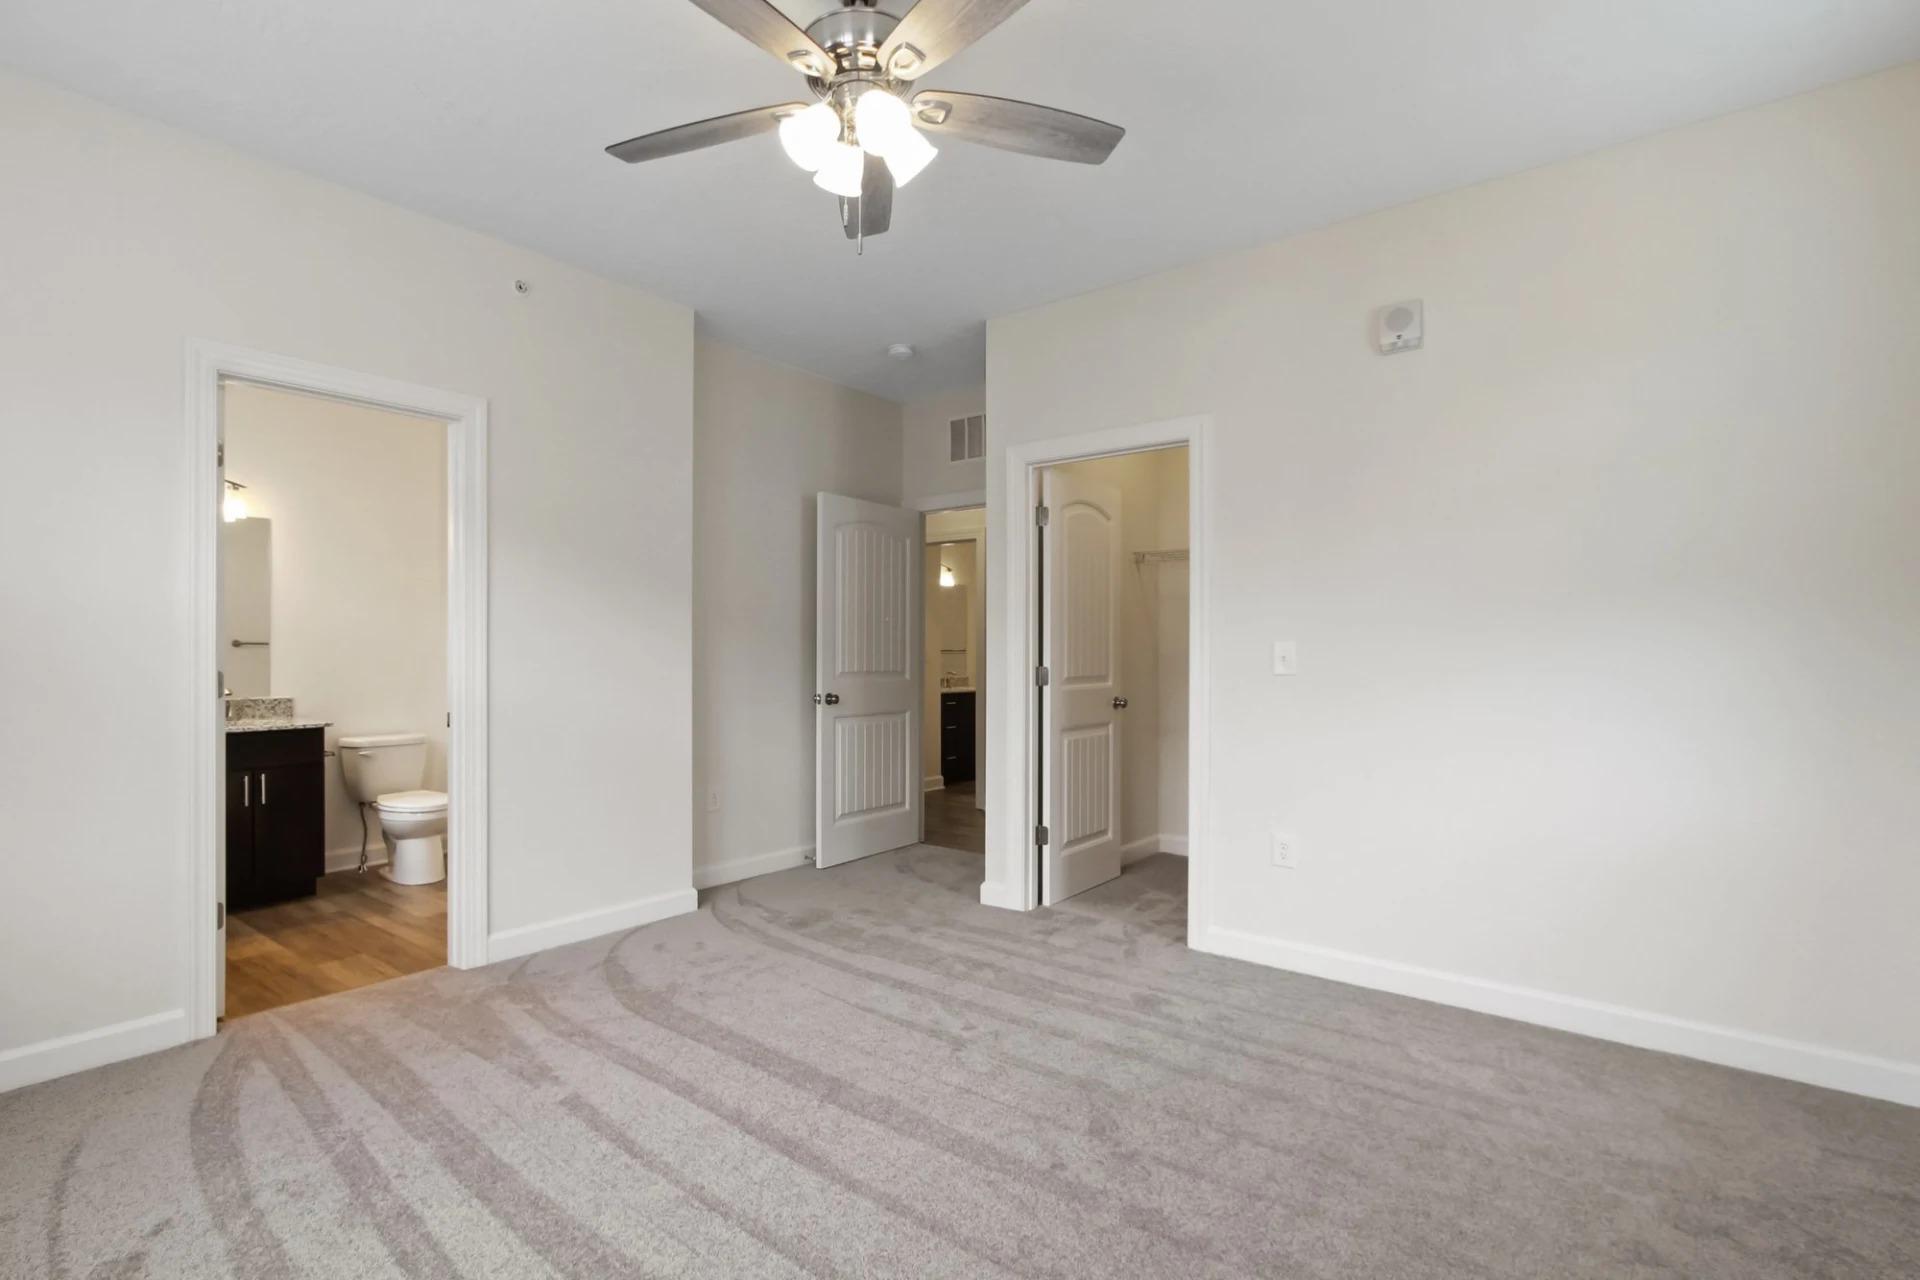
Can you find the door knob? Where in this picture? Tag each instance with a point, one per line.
(1119, 704)
(830, 699)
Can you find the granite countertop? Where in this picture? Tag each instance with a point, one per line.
(267, 726)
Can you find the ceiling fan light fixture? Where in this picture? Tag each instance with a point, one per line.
(841, 170)
(909, 157)
(807, 135)
(882, 122)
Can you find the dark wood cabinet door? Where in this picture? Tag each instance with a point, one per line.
(241, 891)
(956, 737)
(289, 829)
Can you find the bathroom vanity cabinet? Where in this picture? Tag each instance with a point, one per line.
(276, 815)
(956, 735)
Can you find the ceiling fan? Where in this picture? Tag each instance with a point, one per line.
(863, 137)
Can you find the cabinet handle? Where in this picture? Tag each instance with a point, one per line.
(246, 791)
(263, 788)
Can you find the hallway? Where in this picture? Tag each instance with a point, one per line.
(953, 822)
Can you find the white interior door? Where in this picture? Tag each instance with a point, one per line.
(867, 688)
(223, 635)
(1083, 698)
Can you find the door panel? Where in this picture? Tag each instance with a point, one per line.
(236, 859)
(867, 738)
(289, 810)
(1080, 629)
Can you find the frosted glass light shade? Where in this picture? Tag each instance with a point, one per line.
(808, 134)
(233, 507)
(909, 156)
(882, 122)
(841, 170)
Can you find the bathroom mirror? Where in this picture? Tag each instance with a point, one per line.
(950, 608)
(246, 607)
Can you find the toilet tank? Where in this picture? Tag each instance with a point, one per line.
(378, 764)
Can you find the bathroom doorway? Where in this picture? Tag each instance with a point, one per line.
(333, 582)
(953, 720)
(340, 831)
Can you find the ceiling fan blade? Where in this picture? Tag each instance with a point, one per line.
(1016, 126)
(871, 212)
(935, 30)
(767, 27)
(702, 133)
(876, 197)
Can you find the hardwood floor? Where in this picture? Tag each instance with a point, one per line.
(953, 822)
(357, 930)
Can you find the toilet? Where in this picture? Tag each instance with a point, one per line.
(385, 770)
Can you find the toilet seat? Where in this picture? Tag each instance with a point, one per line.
(411, 802)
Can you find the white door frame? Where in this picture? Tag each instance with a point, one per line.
(208, 365)
(1014, 739)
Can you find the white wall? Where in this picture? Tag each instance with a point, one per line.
(767, 440)
(1606, 601)
(121, 241)
(1153, 639)
(358, 501)
(925, 472)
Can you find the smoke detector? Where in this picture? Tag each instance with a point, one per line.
(900, 351)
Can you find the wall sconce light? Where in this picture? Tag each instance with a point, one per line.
(946, 576)
(233, 506)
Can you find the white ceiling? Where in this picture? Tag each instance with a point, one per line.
(1247, 120)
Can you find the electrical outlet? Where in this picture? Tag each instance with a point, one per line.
(1285, 851)
(713, 799)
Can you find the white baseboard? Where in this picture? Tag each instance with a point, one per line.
(731, 870)
(933, 782)
(1815, 1064)
(349, 858)
(995, 894)
(64, 1055)
(1147, 846)
(509, 944)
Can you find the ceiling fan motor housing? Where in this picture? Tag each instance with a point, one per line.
(853, 37)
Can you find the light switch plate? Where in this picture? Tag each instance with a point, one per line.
(1285, 850)
(1285, 660)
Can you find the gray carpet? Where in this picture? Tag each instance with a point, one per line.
(864, 1072)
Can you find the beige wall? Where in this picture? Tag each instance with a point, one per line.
(767, 439)
(123, 241)
(925, 472)
(1606, 601)
(358, 500)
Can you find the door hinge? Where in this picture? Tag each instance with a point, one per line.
(1040, 514)
(220, 454)
(449, 719)
(1040, 835)
(219, 916)
(1041, 676)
